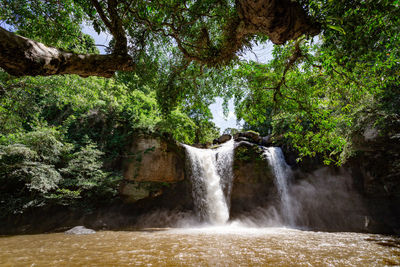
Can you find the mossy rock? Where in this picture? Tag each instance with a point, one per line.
(249, 154)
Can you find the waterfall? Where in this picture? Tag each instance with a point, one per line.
(283, 174)
(211, 176)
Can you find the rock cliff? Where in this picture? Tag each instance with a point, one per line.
(154, 165)
(253, 181)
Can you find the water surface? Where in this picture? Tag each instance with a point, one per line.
(217, 246)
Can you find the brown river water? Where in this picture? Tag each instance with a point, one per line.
(216, 246)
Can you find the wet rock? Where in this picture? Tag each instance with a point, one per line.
(253, 180)
(200, 145)
(224, 138)
(80, 230)
(253, 136)
(242, 139)
(132, 192)
(266, 140)
(370, 134)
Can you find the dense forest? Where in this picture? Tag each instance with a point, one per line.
(68, 112)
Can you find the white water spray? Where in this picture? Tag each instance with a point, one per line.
(211, 175)
(283, 174)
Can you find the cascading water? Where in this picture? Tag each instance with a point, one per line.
(283, 174)
(211, 175)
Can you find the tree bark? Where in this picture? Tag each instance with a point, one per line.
(21, 56)
(281, 20)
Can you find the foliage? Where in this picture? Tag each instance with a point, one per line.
(231, 131)
(18, 166)
(84, 168)
(323, 95)
(53, 24)
(39, 168)
(63, 138)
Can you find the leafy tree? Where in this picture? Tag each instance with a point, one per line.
(70, 135)
(323, 96)
(19, 166)
(231, 131)
(27, 172)
(84, 168)
(210, 31)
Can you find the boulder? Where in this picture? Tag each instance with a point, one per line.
(224, 138)
(80, 230)
(266, 140)
(242, 139)
(253, 136)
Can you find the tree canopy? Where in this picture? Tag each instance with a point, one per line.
(210, 32)
(324, 96)
(191, 49)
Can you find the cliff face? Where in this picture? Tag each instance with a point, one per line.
(155, 164)
(372, 172)
(375, 168)
(156, 168)
(155, 159)
(253, 182)
(361, 196)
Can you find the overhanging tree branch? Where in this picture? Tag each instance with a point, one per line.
(21, 56)
(281, 20)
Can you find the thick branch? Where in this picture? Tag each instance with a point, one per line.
(20, 56)
(280, 20)
(101, 13)
(117, 29)
(297, 54)
(114, 24)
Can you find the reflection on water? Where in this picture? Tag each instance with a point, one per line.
(218, 246)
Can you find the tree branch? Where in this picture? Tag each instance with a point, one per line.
(297, 54)
(21, 56)
(114, 24)
(101, 13)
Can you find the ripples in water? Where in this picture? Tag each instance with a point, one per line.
(215, 246)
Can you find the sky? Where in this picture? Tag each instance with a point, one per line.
(259, 53)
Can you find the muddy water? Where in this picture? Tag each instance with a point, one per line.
(224, 246)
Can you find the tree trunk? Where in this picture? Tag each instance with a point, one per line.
(21, 56)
